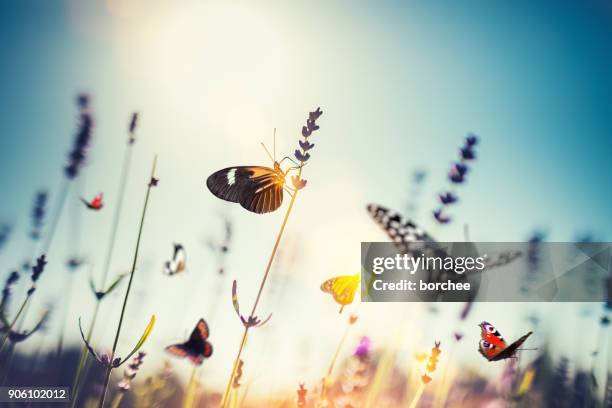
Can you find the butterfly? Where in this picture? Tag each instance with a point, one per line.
(342, 288)
(177, 263)
(196, 348)
(401, 232)
(258, 189)
(95, 203)
(493, 347)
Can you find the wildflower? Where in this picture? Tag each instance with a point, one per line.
(82, 140)
(448, 198)
(6, 291)
(38, 269)
(440, 217)
(16, 336)
(457, 175)
(298, 183)
(38, 214)
(153, 182)
(353, 318)
(426, 379)
(238, 375)
(301, 396)
(311, 126)
(251, 321)
(458, 336)
(130, 372)
(363, 347)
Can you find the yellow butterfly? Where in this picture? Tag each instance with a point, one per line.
(342, 288)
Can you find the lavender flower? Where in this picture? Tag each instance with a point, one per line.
(441, 217)
(305, 145)
(6, 291)
(82, 140)
(448, 197)
(130, 372)
(38, 214)
(456, 175)
(251, 321)
(38, 269)
(363, 347)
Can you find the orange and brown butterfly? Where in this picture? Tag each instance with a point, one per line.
(492, 345)
(197, 348)
(342, 288)
(95, 203)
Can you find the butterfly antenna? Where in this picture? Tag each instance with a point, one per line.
(267, 151)
(274, 138)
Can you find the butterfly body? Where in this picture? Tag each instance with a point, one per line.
(492, 345)
(258, 189)
(197, 348)
(95, 203)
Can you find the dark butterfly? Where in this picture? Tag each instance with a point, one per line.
(401, 232)
(492, 345)
(256, 188)
(196, 348)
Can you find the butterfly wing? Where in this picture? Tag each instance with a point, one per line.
(196, 348)
(488, 350)
(490, 334)
(342, 288)
(511, 349)
(256, 188)
(399, 231)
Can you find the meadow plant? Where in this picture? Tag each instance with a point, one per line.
(102, 289)
(302, 155)
(456, 176)
(112, 361)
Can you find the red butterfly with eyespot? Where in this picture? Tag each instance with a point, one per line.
(493, 347)
(95, 203)
(196, 348)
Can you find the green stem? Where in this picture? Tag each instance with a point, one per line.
(117, 216)
(261, 287)
(76, 384)
(10, 328)
(127, 292)
(333, 362)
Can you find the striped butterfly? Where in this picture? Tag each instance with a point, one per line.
(401, 232)
(342, 288)
(492, 345)
(258, 189)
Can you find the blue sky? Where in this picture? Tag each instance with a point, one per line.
(401, 83)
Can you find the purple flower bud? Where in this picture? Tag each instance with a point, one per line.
(306, 145)
(363, 347)
(301, 157)
(471, 140)
(467, 153)
(440, 217)
(447, 198)
(306, 132)
(38, 269)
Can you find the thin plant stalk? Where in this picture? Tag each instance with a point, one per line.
(417, 396)
(261, 287)
(10, 328)
(332, 364)
(125, 171)
(191, 389)
(129, 287)
(76, 384)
